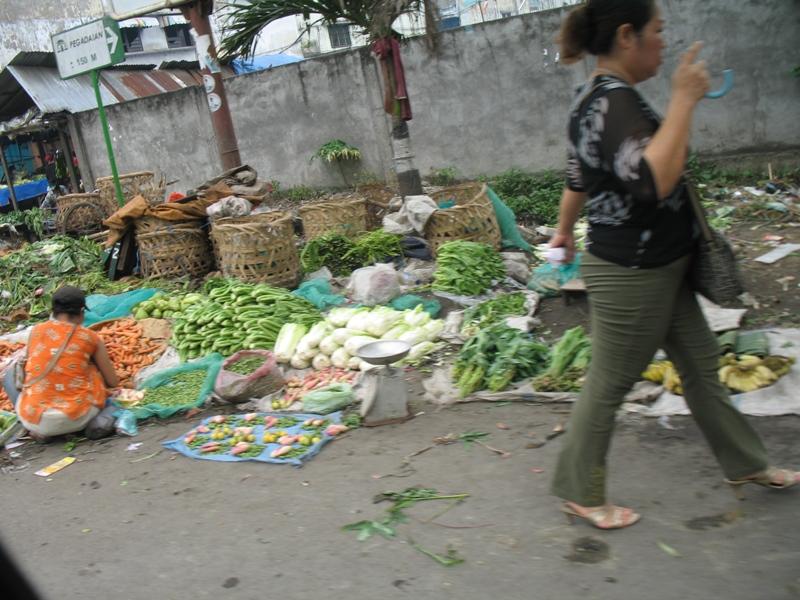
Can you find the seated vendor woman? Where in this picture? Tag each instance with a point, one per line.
(66, 372)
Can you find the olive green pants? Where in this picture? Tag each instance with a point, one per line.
(634, 312)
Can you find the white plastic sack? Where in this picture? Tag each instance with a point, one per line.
(412, 216)
(373, 285)
(230, 206)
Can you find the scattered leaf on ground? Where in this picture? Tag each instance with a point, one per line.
(669, 549)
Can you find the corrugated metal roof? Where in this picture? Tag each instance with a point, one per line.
(53, 94)
(31, 80)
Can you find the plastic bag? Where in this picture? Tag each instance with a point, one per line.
(410, 302)
(103, 308)
(125, 423)
(230, 206)
(547, 279)
(418, 272)
(373, 285)
(328, 399)
(412, 216)
(517, 266)
(211, 364)
(319, 293)
(236, 388)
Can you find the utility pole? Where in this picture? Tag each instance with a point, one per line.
(197, 13)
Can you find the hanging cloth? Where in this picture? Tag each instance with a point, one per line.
(388, 49)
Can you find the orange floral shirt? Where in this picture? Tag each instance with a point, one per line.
(74, 384)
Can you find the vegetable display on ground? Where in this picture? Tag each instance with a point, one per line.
(493, 311)
(496, 357)
(238, 316)
(127, 347)
(467, 268)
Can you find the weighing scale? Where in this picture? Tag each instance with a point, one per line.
(385, 390)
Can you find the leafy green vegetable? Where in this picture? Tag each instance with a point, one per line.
(573, 347)
(492, 311)
(376, 246)
(329, 250)
(497, 356)
(467, 268)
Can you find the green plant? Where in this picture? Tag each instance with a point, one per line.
(336, 151)
(442, 177)
(534, 197)
(300, 193)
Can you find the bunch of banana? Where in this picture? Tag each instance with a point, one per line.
(664, 372)
(746, 373)
(780, 365)
(655, 370)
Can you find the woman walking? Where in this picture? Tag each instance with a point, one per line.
(625, 165)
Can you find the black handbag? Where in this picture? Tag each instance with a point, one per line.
(713, 272)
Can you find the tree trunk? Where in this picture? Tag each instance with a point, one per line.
(408, 178)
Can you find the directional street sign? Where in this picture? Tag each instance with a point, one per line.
(88, 47)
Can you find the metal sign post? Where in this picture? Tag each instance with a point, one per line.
(87, 49)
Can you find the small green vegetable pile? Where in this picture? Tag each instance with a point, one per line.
(570, 359)
(182, 389)
(395, 515)
(246, 366)
(238, 316)
(29, 276)
(33, 218)
(493, 311)
(342, 255)
(496, 357)
(163, 306)
(467, 268)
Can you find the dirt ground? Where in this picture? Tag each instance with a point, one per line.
(130, 525)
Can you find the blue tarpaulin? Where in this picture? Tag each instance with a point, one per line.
(24, 191)
(260, 63)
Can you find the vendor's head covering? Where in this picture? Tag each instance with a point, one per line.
(69, 300)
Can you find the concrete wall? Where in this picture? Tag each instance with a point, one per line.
(493, 97)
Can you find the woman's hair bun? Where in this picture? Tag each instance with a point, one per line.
(575, 36)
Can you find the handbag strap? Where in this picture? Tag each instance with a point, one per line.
(51, 365)
(697, 208)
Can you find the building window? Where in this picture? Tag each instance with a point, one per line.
(132, 39)
(339, 35)
(179, 36)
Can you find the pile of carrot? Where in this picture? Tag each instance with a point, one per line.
(127, 347)
(8, 348)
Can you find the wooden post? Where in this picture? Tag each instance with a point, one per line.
(11, 194)
(73, 178)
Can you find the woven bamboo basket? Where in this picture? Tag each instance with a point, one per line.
(141, 183)
(260, 248)
(471, 219)
(82, 213)
(152, 224)
(177, 251)
(348, 217)
(378, 197)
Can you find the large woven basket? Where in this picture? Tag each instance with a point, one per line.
(181, 250)
(378, 197)
(141, 183)
(258, 248)
(348, 217)
(82, 213)
(472, 218)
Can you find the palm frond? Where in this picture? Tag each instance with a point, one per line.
(245, 19)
